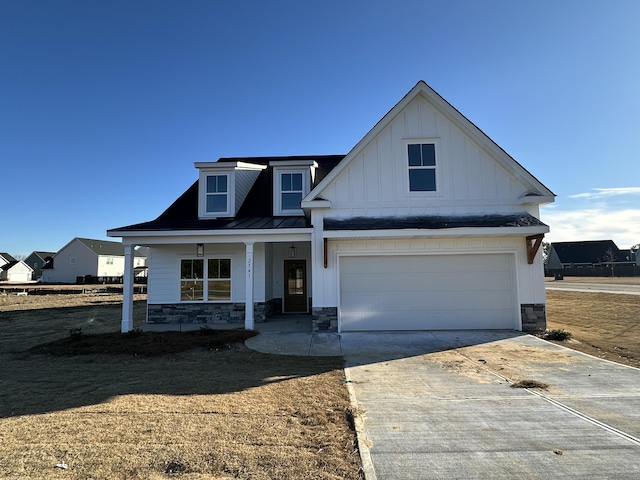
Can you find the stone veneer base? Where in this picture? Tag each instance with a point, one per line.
(208, 313)
(534, 317)
(324, 319)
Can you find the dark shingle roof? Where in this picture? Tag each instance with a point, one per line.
(593, 251)
(7, 257)
(103, 247)
(255, 213)
(431, 222)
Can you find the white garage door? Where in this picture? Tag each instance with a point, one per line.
(434, 292)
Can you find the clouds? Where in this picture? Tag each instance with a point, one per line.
(622, 226)
(598, 193)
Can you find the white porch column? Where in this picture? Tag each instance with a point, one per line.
(127, 290)
(248, 309)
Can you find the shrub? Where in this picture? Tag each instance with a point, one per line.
(558, 334)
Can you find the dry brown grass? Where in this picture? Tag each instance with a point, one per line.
(202, 413)
(614, 280)
(606, 325)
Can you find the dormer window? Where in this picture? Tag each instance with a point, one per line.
(223, 187)
(216, 194)
(291, 183)
(291, 190)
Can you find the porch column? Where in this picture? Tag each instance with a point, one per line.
(248, 309)
(127, 290)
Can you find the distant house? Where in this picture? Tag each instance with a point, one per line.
(587, 254)
(16, 271)
(83, 257)
(37, 260)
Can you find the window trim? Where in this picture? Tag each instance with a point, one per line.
(205, 278)
(277, 189)
(436, 168)
(202, 208)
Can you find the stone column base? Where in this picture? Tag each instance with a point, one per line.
(534, 317)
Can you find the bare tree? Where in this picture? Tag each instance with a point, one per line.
(546, 250)
(610, 257)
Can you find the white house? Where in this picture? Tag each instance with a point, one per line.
(425, 224)
(83, 257)
(16, 271)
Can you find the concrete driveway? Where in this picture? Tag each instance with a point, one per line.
(440, 405)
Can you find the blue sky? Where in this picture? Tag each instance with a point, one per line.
(105, 105)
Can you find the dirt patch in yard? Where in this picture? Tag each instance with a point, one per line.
(493, 362)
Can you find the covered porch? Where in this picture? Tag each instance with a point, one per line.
(220, 281)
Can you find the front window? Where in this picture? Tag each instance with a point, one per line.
(216, 271)
(191, 280)
(219, 279)
(291, 191)
(422, 167)
(216, 193)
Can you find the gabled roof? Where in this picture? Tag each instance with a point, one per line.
(44, 255)
(100, 247)
(255, 213)
(7, 257)
(8, 266)
(592, 251)
(536, 188)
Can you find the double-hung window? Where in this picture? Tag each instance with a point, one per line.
(205, 279)
(291, 191)
(422, 167)
(191, 280)
(216, 194)
(219, 279)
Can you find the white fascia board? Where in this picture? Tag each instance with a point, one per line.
(228, 165)
(440, 232)
(293, 163)
(207, 236)
(535, 200)
(315, 204)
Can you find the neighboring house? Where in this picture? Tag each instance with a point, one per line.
(83, 257)
(587, 254)
(16, 271)
(37, 260)
(6, 258)
(425, 224)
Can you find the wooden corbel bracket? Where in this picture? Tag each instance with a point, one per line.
(533, 245)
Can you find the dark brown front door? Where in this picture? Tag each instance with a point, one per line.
(295, 286)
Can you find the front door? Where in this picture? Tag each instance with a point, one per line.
(295, 286)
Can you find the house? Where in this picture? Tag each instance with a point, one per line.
(16, 271)
(590, 258)
(37, 260)
(425, 224)
(587, 254)
(85, 257)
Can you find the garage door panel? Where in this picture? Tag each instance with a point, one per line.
(426, 292)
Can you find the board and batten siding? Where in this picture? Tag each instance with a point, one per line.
(529, 288)
(164, 271)
(469, 181)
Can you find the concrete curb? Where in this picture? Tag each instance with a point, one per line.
(361, 432)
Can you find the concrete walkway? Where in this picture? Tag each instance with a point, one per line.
(433, 407)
